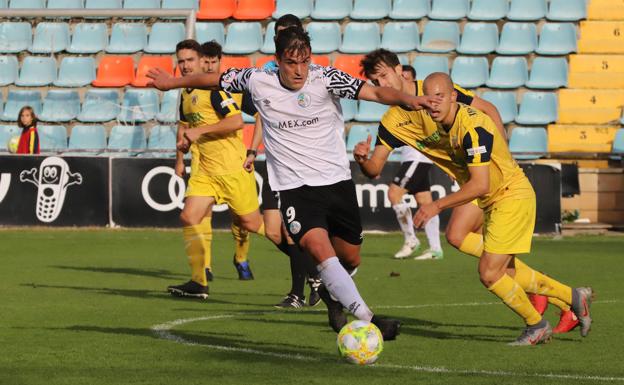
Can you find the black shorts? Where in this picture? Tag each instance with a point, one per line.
(269, 197)
(333, 208)
(414, 177)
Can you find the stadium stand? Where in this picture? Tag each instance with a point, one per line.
(16, 37)
(618, 143)
(359, 133)
(147, 62)
(360, 38)
(126, 138)
(505, 102)
(210, 31)
(488, 10)
(52, 137)
(269, 45)
(90, 140)
(324, 37)
(100, 105)
(478, 39)
(400, 36)
(8, 131)
(580, 139)
(537, 108)
(139, 105)
(370, 111)
(60, 106)
(75, 71)
(527, 10)
(449, 9)
(349, 64)
(164, 37)
(234, 62)
(601, 36)
(127, 38)
(302, 9)
(425, 65)
(114, 71)
(8, 70)
(548, 73)
(27, 4)
(349, 109)
(243, 38)
(469, 71)
(567, 10)
(557, 39)
(169, 107)
(517, 39)
(50, 38)
(370, 9)
(440, 37)
(528, 142)
(508, 72)
(216, 9)
(409, 9)
(17, 99)
(89, 38)
(37, 71)
(331, 9)
(254, 9)
(161, 138)
(596, 71)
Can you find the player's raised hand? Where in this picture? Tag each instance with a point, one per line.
(424, 213)
(161, 79)
(191, 134)
(420, 102)
(361, 150)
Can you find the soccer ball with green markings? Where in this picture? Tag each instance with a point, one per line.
(360, 342)
(12, 144)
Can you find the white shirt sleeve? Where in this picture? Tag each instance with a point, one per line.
(237, 80)
(341, 84)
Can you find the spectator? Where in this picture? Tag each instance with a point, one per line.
(29, 139)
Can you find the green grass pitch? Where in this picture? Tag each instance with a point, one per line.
(90, 307)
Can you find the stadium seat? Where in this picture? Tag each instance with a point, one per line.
(350, 64)
(321, 60)
(488, 10)
(449, 9)
(331, 9)
(123, 138)
(248, 118)
(478, 39)
(164, 37)
(162, 138)
(470, 72)
(618, 143)
(147, 62)
(527, 10)
(16, 99)
(528, 140)
(234, 62)
(580, 138)
(65, 4)
(537, 108)
(402, 36)
(27, 4)
(254, 9)
(359, 133)
(517, 39)
(269, 45)
(210, 31)
(76, 72)
(52, 137)
(370, 9)
(567, 10)
(4, 4)
(243, 38)
(15, 37)
(8, 70)
(99, 106)
(262, 60)
(505, 103)
(185, 4)
(103, 4)
(37, 71)
(349, 109)
(324, 37)
(300, 8)
(440, 37)
(141, 4)
(548, 73)
(50, 38)
(127, 38)
(6, 133)
(425, 65)
(557, 39)
(139, 105)
(60, 106)
(360, 38)
(114, 71)
(370, 111)
(508, 72)
(89, 138)
(89, 38)
(410, 9)
(169, 107)
(216, 9)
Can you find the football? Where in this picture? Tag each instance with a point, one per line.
(12, 144)
(360, 342)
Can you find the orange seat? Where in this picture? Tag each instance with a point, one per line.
(234, 62)
(321, 60)
(147, 62)
(262, 60)
(350, 64)
(216, 9)
(254, 9)
(248, 131)
(114, 71)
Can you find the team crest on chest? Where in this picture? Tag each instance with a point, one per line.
(194, 100)
(304, 100)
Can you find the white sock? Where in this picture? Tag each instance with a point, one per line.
(341, 286)
(432, 229)
(404, 217)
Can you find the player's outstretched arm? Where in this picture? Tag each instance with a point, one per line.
(224, 126)
(392, 97)
(255, 144)
(490, 110)
(182, 147)
(163, 81)
(371, 167)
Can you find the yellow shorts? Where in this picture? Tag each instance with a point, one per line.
(237, 190)
(508, 226)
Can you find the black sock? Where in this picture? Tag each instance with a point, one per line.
(297, 270)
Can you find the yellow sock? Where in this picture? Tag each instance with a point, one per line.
(206, 228)
(516, 299)
(533, 281)
(472, 245)
(193, 244)
(241, 243)
(261, 230)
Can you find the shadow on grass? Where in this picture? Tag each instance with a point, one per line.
(153, 273)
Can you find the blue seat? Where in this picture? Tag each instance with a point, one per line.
(60, 106)
(100, 105)
(527, 10)
(528, 140)
(517, 39)
(16, 99)
(127, 38)
(331, 9)
(37, 71)
(440, 37)
(248, 118)
(449, 9)
(548, 73)
(103, 4)
(269, 44)
(210, 31)
(324, 37)
(505, 103)
(537, 108)
(4, 4)
(76, 72)
(65, 4)
(349, 109)
(124, 138)
(139, 105)
(6, 133)
(15, 37)
(567, 10)
(243, 38)
(92, 139)
(359, 133)
(169, 107)
(299, 8)
(403, 59)
(52, 137)
(370, 9)
(89, 38)
(50, 38)
(425, 65)
(184, 4)
(401, 36)
(162, 138)
(27, 4)
(618, 143)
(557, 39)
(140, 4)
(410, 9)
(470, 72)
(478, 39)
(488, 10)
(8, 70)
(360, 38)
(370, 111)
(164, 37)
(508, 72)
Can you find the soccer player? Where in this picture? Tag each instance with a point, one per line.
(465, 143)
(307, 160)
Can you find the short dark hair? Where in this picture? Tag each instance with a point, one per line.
(410, 69)
(32, 112)
(291, 39)
(286, 21)
(189, 44)
(211, 49)
(372, 59)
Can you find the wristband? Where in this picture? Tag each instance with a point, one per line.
(252, 152)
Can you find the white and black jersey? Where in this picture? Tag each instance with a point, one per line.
(303, 129)
(410, 154)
